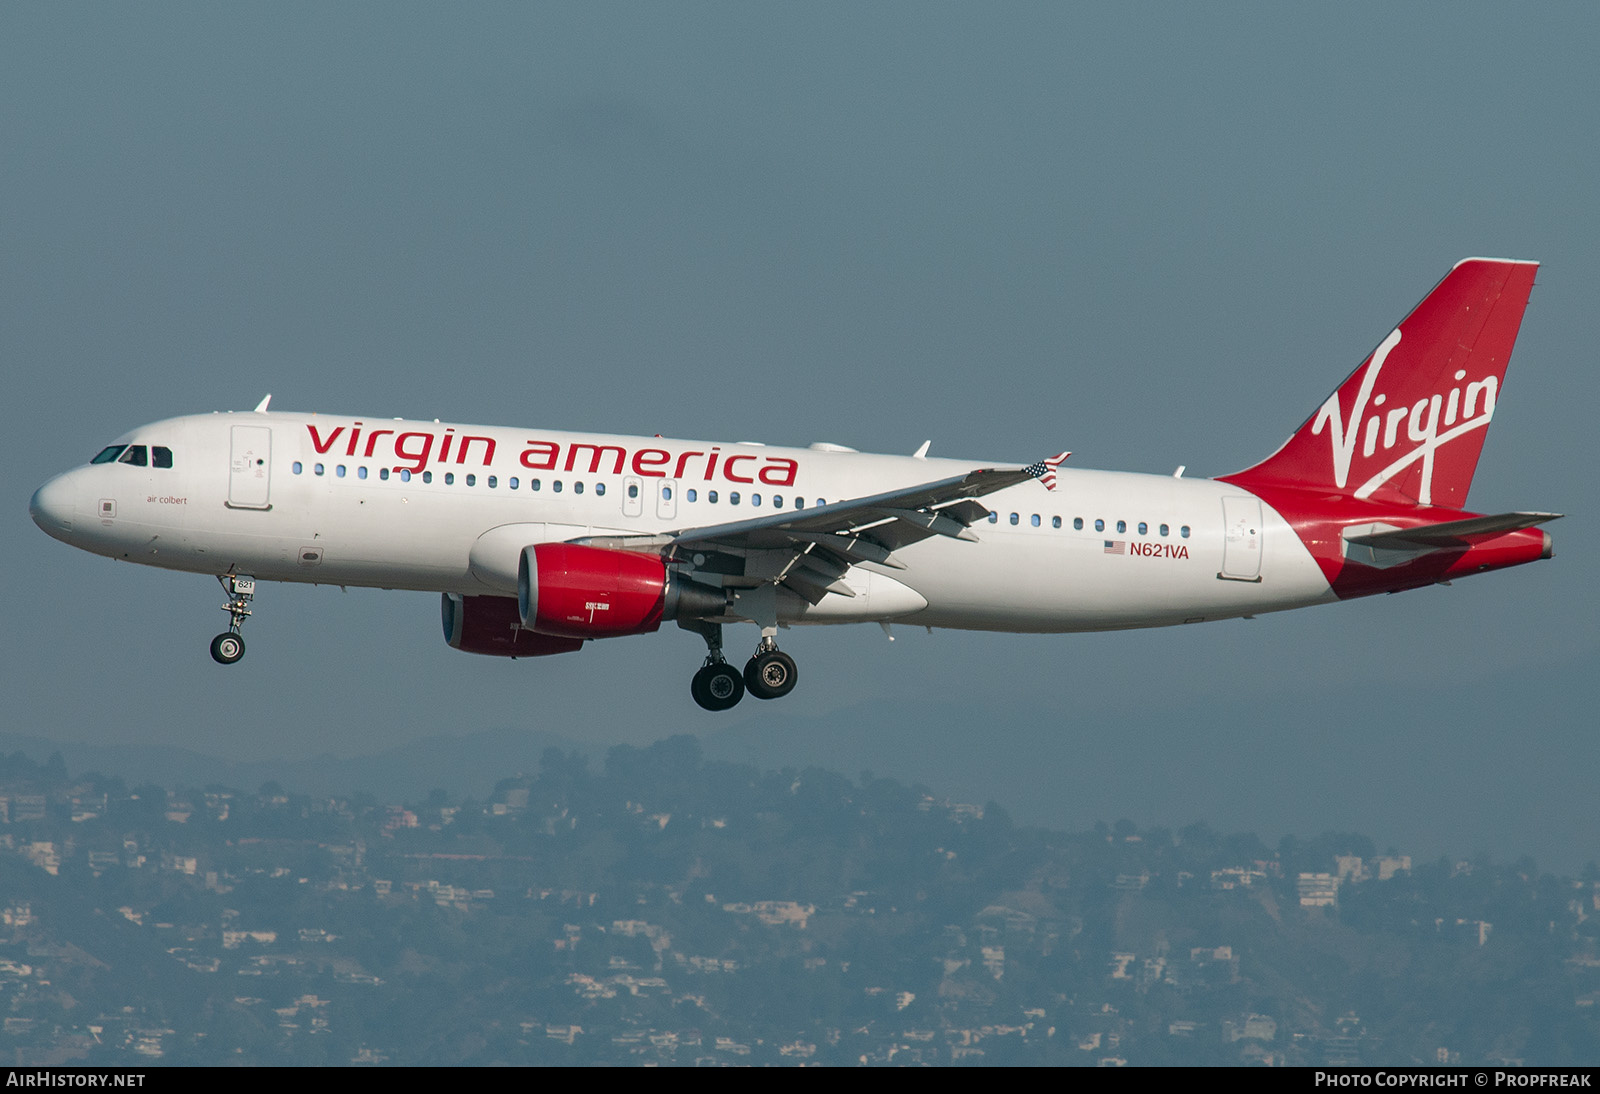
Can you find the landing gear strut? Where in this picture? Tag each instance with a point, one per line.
(228, 647)
(717, 686)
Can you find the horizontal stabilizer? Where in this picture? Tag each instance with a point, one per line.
(1451, 533)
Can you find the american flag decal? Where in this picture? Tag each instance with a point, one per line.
(1045, 470)
(1116, 546)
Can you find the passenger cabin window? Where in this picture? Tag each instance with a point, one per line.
(599, 488)
(692, 494)
(1077, 524)
(427, 476)
(1099, 525)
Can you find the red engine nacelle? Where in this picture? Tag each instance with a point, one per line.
(492, 625)
(591, 592)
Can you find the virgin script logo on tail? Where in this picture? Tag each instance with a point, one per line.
(1459, 412)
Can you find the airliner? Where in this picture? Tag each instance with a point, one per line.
(539, 541)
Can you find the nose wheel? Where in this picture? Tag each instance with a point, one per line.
(228, 647)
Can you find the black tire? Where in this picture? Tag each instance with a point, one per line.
(226, 648)
(717, 687)
(771, 675)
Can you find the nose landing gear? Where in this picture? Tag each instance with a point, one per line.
(228, 647)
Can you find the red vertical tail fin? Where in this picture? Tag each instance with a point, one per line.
(1408, 425)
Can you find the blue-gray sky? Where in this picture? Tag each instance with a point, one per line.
(1154, 234)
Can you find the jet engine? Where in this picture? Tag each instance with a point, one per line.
(492, 625)
(574, 591)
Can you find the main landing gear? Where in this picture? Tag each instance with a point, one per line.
(770, 674)
(228, 647)
(717, 686)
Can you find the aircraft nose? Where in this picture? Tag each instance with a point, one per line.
(53, 507)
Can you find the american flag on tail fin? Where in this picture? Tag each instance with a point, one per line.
(1045, 470)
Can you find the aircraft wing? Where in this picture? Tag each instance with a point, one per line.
(896, 518)
(810, 550)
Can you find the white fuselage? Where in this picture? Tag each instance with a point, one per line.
(448, 508)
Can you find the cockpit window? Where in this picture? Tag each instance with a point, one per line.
(136, 455)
